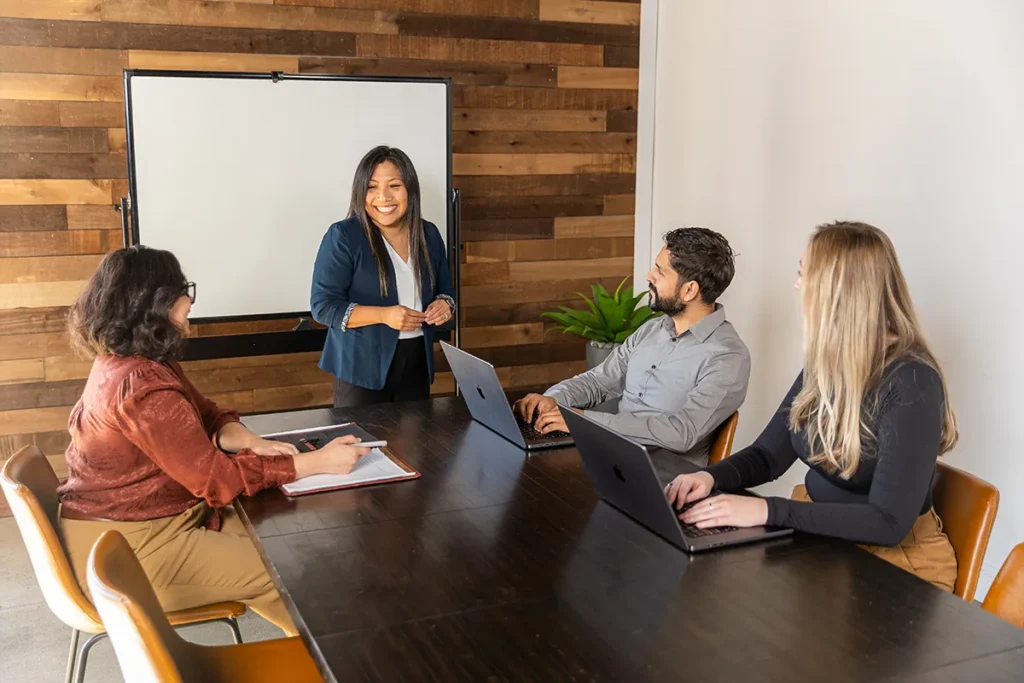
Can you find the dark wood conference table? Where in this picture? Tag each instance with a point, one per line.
(502, 566)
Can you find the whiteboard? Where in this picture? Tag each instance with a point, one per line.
(240, 175)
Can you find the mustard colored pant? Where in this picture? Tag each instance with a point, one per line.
(189, 565)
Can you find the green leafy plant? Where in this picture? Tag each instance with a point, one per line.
(611, 318)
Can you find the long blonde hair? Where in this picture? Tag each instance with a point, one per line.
(858, 320)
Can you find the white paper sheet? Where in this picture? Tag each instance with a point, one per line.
(373, 467)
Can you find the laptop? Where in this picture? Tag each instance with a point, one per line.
(625, 478)
(488, 405)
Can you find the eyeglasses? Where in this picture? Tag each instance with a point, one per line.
(190, 291)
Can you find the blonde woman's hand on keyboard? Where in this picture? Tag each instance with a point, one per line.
(727, 510)
(686, 488)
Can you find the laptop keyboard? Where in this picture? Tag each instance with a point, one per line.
(532, 434)
(694, 532)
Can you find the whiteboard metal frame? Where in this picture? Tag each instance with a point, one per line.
(131, 228)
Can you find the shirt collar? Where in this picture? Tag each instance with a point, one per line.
(704, 327)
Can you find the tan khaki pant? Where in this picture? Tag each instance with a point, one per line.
(925, 552)
(189, 565)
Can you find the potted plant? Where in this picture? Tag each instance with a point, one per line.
(611, 318)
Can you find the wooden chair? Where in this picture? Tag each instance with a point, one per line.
(1005, 598)
(30, 485)
(149, 650)
(967, 507)
(721, 448)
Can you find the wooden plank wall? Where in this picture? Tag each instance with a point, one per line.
(545, 95)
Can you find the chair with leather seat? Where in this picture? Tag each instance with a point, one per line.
(721, 447)
(148, 649)
(1005, 598)
(967, 506)
(30, 484)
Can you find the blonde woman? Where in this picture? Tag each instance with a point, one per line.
(868, 415)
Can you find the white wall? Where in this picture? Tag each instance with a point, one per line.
(771, 118)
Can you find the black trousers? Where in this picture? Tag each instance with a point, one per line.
(407, 380)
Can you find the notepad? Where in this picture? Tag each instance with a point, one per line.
(379, 466)
(371, 468)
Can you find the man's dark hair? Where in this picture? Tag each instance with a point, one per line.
(704, 256)
(125, 307)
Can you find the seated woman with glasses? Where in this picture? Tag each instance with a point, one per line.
(153, 458)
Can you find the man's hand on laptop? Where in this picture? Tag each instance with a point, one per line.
(552, 421)
(535, 405)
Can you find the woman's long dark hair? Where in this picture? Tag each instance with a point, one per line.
(413, 216)
(125, 307)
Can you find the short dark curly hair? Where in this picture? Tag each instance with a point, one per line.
(125, 307)
(704, 256)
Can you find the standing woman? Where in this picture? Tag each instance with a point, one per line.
(869, 415)
(381, 286)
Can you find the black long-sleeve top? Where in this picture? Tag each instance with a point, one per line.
(892, 486)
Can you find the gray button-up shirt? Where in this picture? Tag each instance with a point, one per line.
(676, 389)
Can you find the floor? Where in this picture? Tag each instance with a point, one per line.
(34, 643)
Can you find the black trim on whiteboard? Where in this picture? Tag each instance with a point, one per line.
(277, 76)
(264, 344)
(130, 141)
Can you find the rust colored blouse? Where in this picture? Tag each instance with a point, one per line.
(143, 447)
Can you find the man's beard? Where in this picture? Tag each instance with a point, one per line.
(664, 305)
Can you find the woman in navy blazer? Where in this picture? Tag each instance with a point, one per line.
(381, 286)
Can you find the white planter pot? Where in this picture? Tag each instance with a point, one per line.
(597, 352)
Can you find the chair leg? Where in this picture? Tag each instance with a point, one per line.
(83, 656)
(235, 632)
(72, 656)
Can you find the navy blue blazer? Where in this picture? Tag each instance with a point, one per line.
(345, 274)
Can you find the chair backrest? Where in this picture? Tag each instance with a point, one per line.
(30, 484)
(967, 507)
(146, 645)
(721, 447)
(1005, 598)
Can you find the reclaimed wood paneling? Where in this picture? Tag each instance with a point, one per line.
(469, 141)
(100, 114)
(546, 185)
(598, 77)
(20, 113)
(15, 86)
(129, 36)
(32, 218)
(79, 10)
(548, 31)
(53, 140)
(593, 226)
(544, 113)
(245, 15)
(541, 164)
(460, 72)
(513, 119)
(525, 9)
(478, 50)
(55, 191)
(210, 61)
(590, 11)
(40, 166)
(85, 217)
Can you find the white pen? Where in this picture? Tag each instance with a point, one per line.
(371, 444)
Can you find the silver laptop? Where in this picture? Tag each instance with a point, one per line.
(625, 478)
(488, 405)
